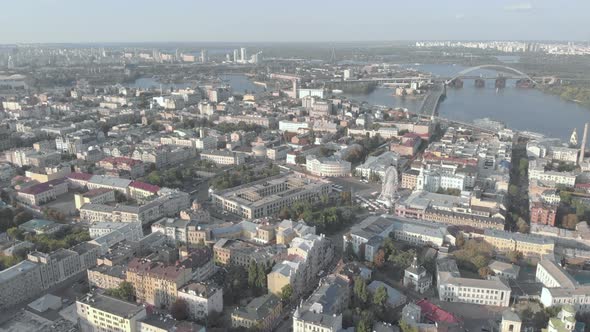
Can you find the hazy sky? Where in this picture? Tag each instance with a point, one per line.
(290, 20)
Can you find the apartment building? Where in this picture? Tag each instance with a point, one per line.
(62, 264)
(106, 277)
(176, 230)
(263, 313)
(101, 313)
(236, 252)
(19, 283)
(322, 311)
(529, 245)
(202, 299)
(156, 283)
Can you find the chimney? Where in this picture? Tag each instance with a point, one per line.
(583, 145)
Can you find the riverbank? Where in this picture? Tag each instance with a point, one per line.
(576, 94)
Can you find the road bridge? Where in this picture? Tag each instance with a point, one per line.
(429, 105)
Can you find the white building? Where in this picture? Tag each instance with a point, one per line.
(224, 157)
(98, 312)
(327, 166)
(202, 299)
(551, 275)
(417, 277)
(131, 231)
(319, 93)
(454, 288)
(292, 126)
(176, 230)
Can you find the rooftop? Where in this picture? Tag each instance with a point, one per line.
(112, 305)
(17, 270)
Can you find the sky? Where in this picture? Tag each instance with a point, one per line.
(58, 21)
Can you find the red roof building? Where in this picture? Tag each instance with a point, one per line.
(436, 314)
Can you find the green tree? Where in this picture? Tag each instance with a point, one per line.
(513, 190)
(286, 293)
(300, 160)
(252, 273)
(124, 292)
(405, 327)
(363, 326)
(522, 226)
(261, 279)
(380, 297)
(6, 217)
(514, 256)
(15, 233)
(360, 289)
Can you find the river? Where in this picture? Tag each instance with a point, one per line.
(239, 83)
(522, 109)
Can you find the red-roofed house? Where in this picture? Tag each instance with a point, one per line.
(436, 314)
(141, 190)
(43, 192)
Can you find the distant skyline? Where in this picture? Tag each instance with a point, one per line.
(95, 21)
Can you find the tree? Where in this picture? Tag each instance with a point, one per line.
(15, 233)
(300, 160)
(346, 197)
(485, 271)
(286, 293)
(6, 218)
(514, 256)
(349, 251)
(405, 327)
(522, 226)
(360, 289)
(22, 217)
(381, 296)
(379, 259)
(179, 310)
(460, 241)
(261, 280)
(363, 326)
(252, 273)
(513, 190)
(124, 292)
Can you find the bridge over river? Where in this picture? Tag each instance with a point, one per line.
(433, 98)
